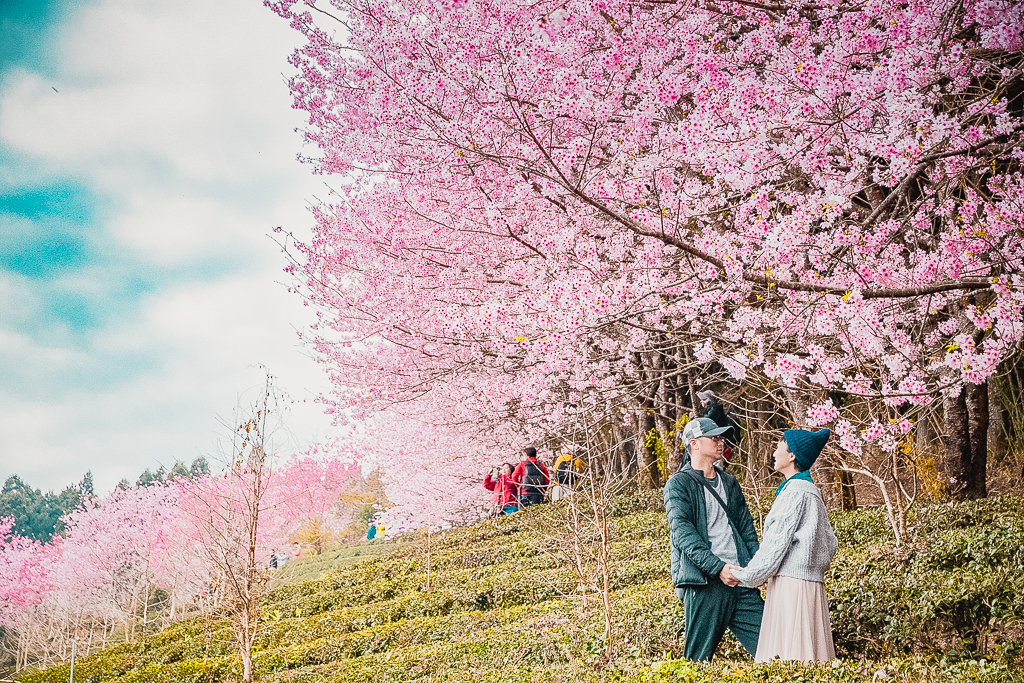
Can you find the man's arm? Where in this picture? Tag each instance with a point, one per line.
(517, 475)
(682, 531)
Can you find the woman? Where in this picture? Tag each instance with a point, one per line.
(797, 549)
(506, 491)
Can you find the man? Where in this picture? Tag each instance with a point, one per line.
(709, 525)
(532, 479)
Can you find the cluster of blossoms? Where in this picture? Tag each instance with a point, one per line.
(553, 205)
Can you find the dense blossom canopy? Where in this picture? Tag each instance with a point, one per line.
(531, 195)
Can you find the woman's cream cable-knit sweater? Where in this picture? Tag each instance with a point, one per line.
(798, 540)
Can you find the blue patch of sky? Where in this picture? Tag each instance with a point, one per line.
(25, 32)
(51, 226)
(43, 229)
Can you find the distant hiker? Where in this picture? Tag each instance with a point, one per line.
(371, 533)
(273, 558)
(506, 491)
(532, 478)
(568, 471)
(709, 525)
(797, 549)
(713, 410)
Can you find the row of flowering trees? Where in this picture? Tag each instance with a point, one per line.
(142, 549)
(542, 210)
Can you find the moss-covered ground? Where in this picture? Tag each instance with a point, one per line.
(503, 606)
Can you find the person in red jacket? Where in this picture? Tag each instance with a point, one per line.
(506, 491)
(532, 478)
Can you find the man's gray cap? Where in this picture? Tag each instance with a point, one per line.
(706, 395)
(702, 426)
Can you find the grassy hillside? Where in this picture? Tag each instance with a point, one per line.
(333, 557)
(503, 606)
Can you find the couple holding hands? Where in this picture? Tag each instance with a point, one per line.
(718, 563)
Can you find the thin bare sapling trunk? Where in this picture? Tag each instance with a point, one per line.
(226, 509)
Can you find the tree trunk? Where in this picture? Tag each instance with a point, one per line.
(998, 446)
(646, 448)
(956, 464)
(977, 399)
(847, 491)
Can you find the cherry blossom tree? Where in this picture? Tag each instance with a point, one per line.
(552, 204)
(305, 496)
(23, 577)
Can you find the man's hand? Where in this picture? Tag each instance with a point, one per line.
(726, 575)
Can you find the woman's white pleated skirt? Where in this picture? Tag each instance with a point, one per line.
(796, 625)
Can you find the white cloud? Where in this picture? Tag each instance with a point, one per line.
(208, 339)
(176, 114)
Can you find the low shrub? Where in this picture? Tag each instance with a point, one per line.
(946, 606)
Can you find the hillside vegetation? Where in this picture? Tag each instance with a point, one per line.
(501, 604)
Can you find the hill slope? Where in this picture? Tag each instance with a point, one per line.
(503, 605)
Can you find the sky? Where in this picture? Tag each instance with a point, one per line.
(147, 150)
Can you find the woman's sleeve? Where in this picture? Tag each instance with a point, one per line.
(489, 483)
(779, 530)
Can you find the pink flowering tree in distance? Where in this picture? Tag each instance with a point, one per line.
(105, 571)
(25, 583)
(118, 551)
(23, 577)
(304, 501)
(548, 207)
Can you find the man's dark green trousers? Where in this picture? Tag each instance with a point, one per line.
(714, 607)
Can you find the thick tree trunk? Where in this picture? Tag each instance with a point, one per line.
(976, 397)
(956, 465)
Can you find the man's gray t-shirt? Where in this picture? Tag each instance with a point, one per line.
(723, 545)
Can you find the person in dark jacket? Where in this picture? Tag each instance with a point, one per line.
(532, 478)
(505, 490)
(713, 410)
(709, 524)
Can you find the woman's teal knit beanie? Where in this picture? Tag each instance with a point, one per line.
(805, 445)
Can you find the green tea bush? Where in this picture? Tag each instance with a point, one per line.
(946, 606)
(955, 586)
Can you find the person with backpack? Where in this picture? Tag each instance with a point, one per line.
(532, 478)
(568, 471)
(713, 410)
(506, 491)
(710, 531)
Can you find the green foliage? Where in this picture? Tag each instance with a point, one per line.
(946, 606)
(41, 515)
(36, 514)
(955, 586)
